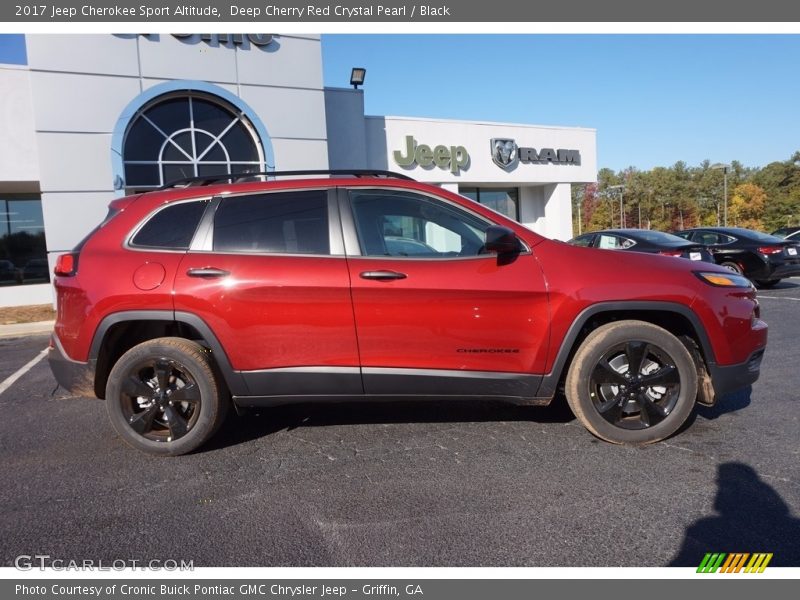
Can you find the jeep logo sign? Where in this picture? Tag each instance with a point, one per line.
(506, 154)
(454, 158)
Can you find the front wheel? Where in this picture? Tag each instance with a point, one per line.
(162, 396)
(632, 382)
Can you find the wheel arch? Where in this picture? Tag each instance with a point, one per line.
(121, 331)
(676, 318)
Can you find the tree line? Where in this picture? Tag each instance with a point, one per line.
(680, 197)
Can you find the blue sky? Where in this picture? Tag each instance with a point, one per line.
(654, 99)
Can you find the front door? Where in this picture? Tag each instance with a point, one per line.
(435, 314)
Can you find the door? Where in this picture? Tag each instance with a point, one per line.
(434, 313)
(269, 277)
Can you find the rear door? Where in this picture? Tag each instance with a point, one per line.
(267, 274)
(434, 315)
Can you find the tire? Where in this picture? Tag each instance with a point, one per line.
(636, 413)
(767, 283)
(732, 266)
(171, 423)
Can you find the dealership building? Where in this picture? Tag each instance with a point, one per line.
(94, 117)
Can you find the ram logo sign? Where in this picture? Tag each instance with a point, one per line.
(506, 155)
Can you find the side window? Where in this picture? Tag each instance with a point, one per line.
(709, 238)
(725, 239)
(687, 235)
(276, 223)
(613, 242)
(397, 223)
(172, 227)
(583, 240)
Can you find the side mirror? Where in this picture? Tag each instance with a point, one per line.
(501, 240)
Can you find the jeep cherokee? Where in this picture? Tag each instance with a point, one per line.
(370, 285)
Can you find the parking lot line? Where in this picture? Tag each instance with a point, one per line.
(21, 371)
(778, 298)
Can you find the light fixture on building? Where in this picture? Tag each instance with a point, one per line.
(357, 76)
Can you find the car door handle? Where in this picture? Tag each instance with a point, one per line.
(382, 275)
(207, 272)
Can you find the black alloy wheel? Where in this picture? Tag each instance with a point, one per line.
(632, 382)
(635, 385)
(163, 397)
(161, 400)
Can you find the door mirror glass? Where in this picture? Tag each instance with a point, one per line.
(501, 240)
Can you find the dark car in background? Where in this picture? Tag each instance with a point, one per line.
(8, 272)
(643, 240)
(36, 269)
(762, 258)
(791, 234)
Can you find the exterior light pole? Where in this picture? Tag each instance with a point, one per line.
(621, 189)
(725, 169)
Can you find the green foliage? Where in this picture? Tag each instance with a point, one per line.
(682, 196)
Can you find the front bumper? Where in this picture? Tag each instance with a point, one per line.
(729, 378)
(74, 376)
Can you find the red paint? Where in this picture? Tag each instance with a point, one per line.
(283, 311)
(149, 276)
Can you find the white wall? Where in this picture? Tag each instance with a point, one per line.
(19, 161)
(80, 85)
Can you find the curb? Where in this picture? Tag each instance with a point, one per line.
(26, 329)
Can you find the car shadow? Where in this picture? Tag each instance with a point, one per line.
(728, 403)
(257, 423)
(784, 284)
(750, 517)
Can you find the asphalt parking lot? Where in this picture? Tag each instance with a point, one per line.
(408, 484)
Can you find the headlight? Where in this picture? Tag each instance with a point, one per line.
(724, 279)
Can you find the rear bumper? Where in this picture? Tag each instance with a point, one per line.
(781, 271)
(74, 376)
(730, 378)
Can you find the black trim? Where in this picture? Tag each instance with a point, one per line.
(293, 381)
(729, 378)
(550, 381)
(233, 379)
(268, 401)
(437, 382)
(74, 376)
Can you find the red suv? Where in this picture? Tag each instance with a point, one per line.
(371, 285)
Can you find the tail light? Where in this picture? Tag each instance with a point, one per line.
(67, 265)
(671, 252)
(770, 250)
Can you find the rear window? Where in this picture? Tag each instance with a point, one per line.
(172, 227)
(275, 223)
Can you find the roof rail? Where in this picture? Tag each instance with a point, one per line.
(238, 177)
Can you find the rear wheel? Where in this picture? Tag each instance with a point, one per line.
(632, 382)
(162, 397)
(732, 266)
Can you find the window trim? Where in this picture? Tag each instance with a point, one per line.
(352, 245)
(203, 242)
(129, 245)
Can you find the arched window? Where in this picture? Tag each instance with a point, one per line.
(188, 134)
